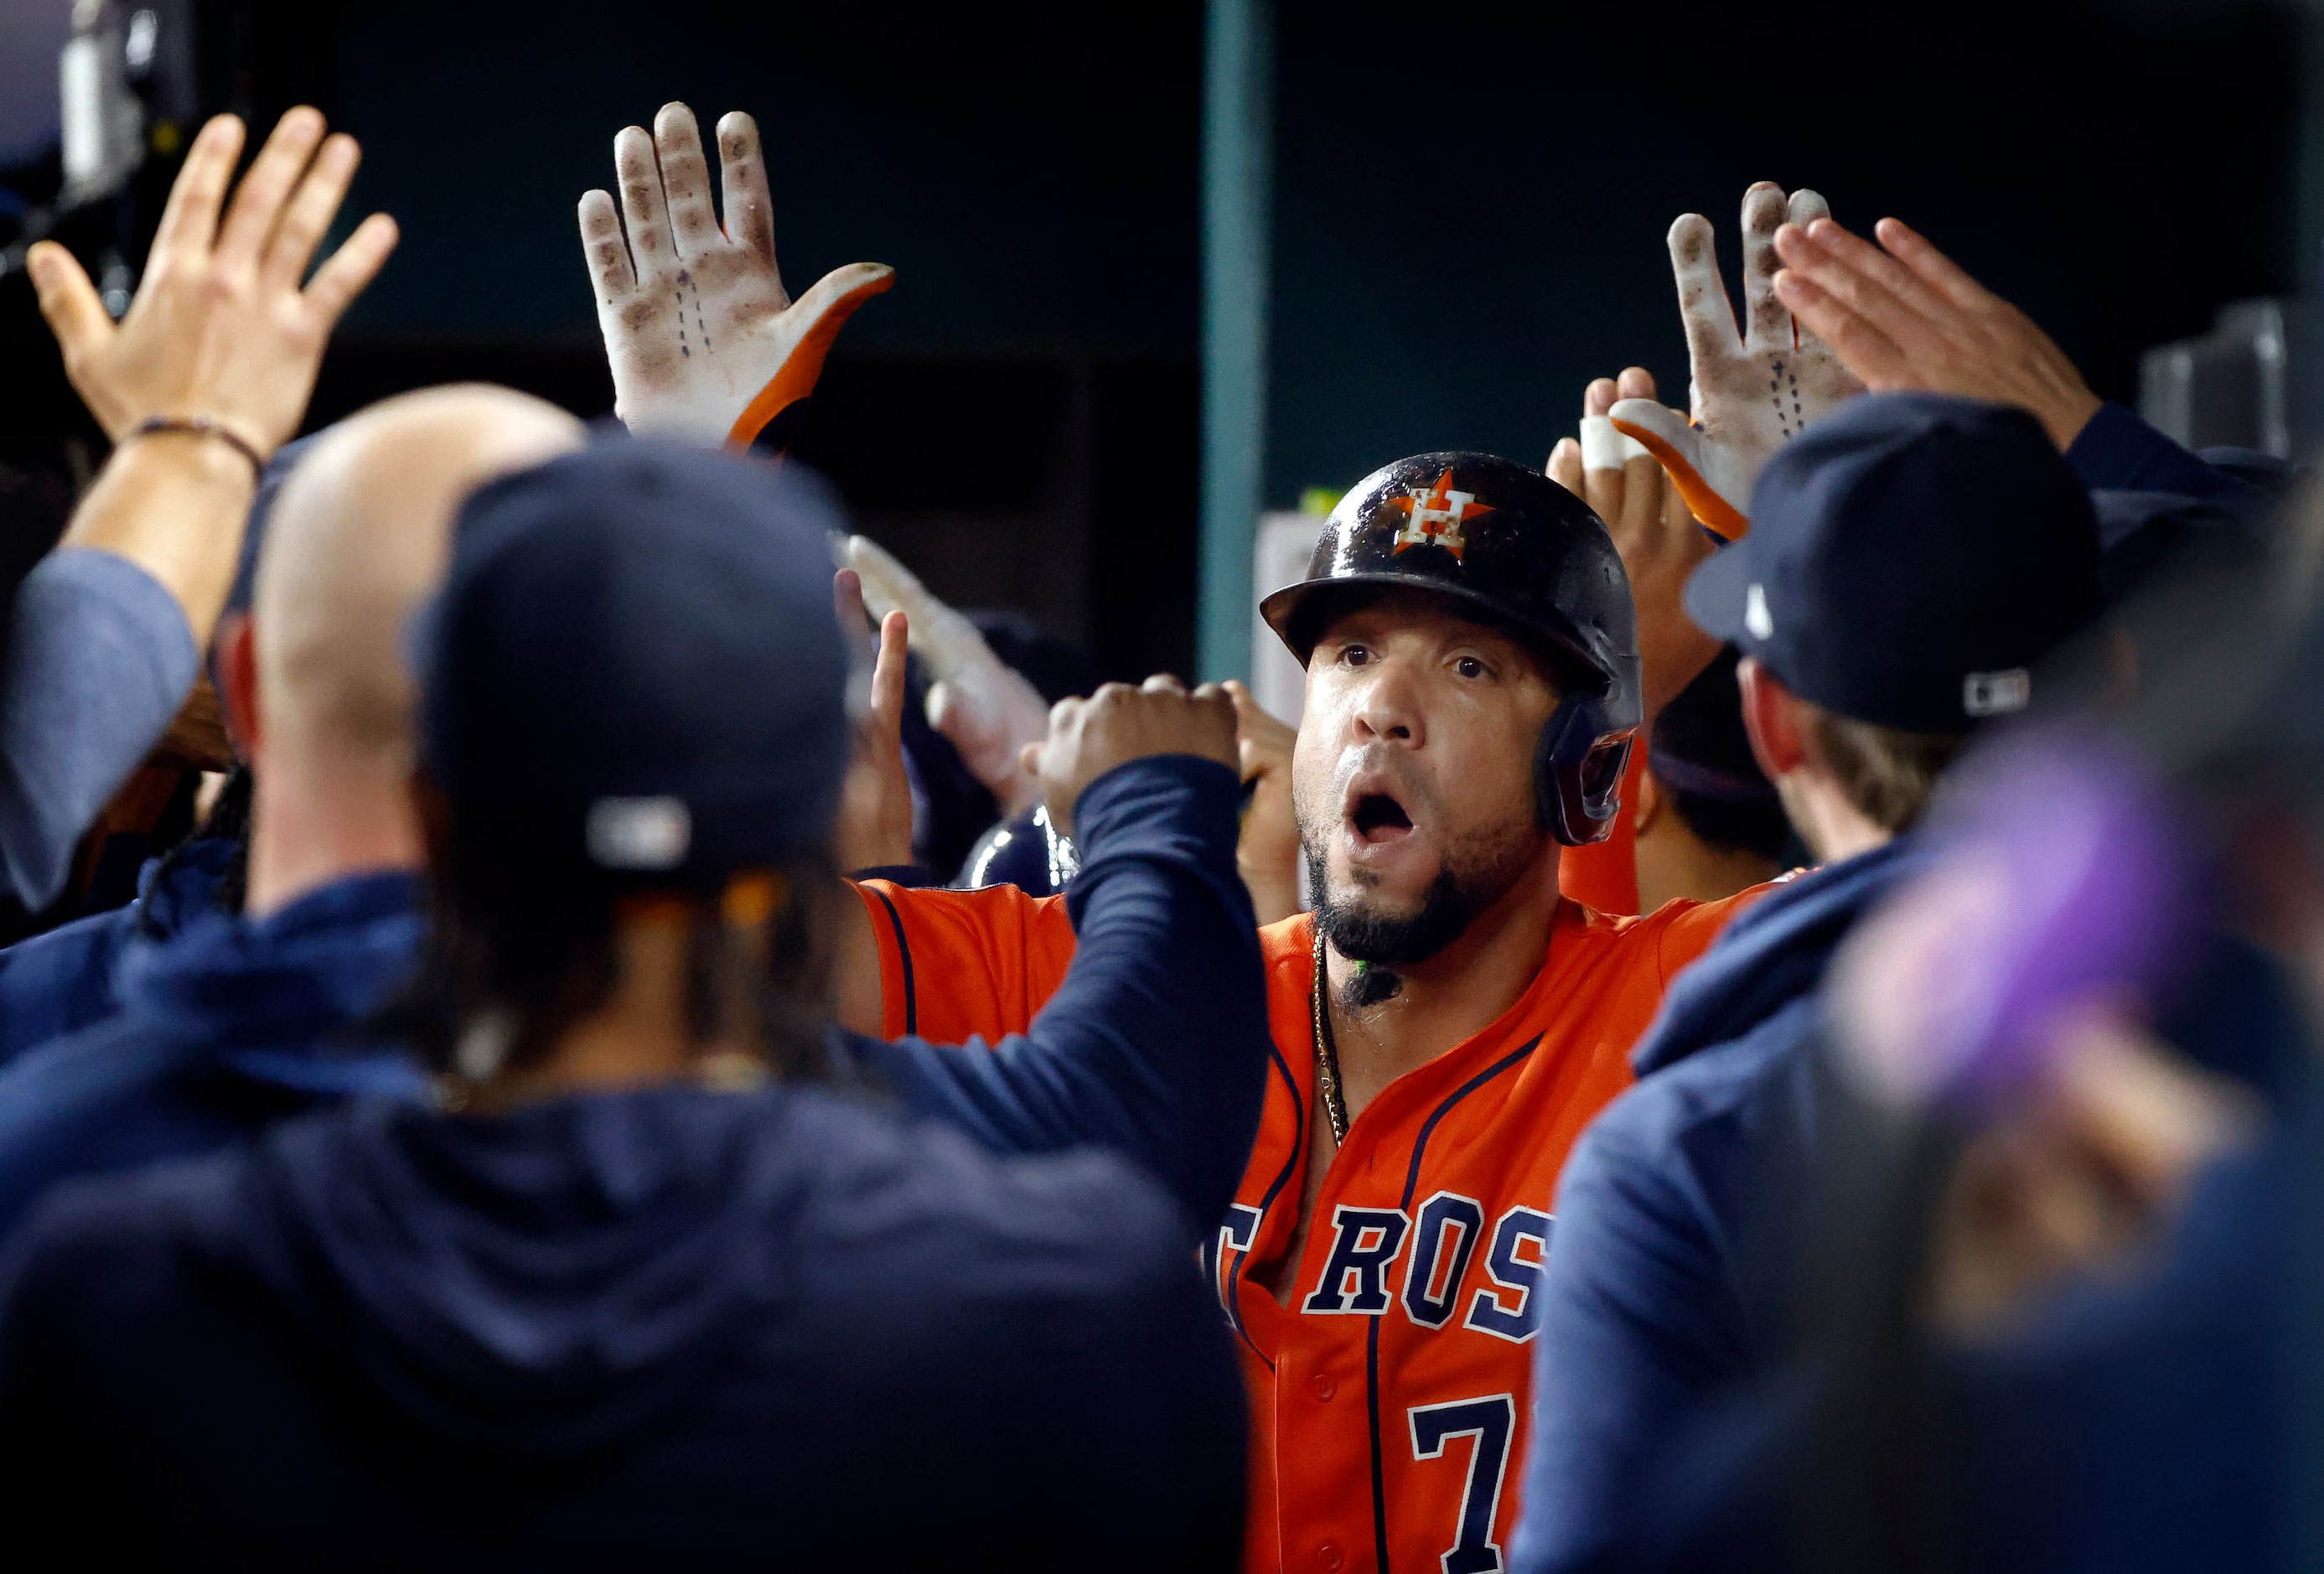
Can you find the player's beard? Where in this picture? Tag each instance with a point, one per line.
(1478, 871)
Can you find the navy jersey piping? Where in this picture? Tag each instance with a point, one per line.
(1274, 1189)
(1420, 1143)
(1379, 1486)
(1372, 1337)
(903, 950)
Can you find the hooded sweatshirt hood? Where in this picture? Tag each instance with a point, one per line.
(540, 1282)
(561, 1277)
(1773, 955)
(64, 980)
(271, 998)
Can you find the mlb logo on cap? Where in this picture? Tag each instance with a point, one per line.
(639, 833)
(1996, 693)
(1926, 551)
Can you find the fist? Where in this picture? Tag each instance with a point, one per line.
(1117, 725)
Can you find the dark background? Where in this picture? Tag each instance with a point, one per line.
(1469, 205)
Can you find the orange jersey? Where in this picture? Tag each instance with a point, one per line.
(1389, 1398)
(956, 965)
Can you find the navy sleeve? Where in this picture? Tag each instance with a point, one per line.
(1630, 1332)
(97, 660)
(61, 980)
(1156, 1045)
(2117, 451)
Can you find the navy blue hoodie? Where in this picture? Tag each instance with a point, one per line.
(2138, 1420)
(678, 1327)
(1668, 1274)
(237, 1023)
(62, 979)
(673, 1329)
(222, 1031)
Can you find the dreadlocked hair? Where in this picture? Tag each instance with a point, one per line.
(519, 953)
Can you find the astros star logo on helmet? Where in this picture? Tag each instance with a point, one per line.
(1433, 515)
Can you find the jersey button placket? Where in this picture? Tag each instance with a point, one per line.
(1323, 1387)
(1330, 1557)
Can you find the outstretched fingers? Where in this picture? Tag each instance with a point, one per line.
(275, 174)
(743, 173)
(312, 208)
(608, 253)
(1932, 266)
(1876, 358)
(68, 301)
(1866, 280)
(1603, 450)
(1767, 326)
(685, 180)
(351, 269)
(644, 211)
(1564, 467)
(1807, 206)
(1702, 304)
(855, 617)
(889, 674)
(189, 221)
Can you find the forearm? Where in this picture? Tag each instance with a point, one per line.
(97, 659)
(2115, 450)
(1156, 1045)
(175, 504)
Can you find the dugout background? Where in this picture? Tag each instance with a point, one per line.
(1470, 200)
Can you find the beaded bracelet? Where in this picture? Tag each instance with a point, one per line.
(203, 427)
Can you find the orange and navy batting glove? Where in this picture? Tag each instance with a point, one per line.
(706, 348)
(1751, 393)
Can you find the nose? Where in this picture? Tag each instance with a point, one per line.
(1387, 708)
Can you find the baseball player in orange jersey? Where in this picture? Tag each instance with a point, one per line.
(1474, 686)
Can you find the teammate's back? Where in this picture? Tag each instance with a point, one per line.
(674, 1327)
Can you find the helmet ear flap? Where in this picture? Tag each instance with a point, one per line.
(1578, 770)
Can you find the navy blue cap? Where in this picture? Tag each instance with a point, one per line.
(1911, 557)
(634, 664)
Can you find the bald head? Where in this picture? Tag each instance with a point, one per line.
(358, 539)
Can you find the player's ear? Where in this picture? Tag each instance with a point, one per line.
(237, 682)
(1773, 718)
(1647, 802)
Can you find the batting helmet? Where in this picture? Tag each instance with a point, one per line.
(1025, 850)
(1522, 552)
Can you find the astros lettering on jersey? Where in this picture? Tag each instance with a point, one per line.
(1390, 1396)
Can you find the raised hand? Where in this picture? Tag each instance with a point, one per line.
(706, 347)
(1904, 315)
(874, 825)
(221, 330)
(1267, 848)
(978, 702)
(1751, 392)
(1088, 737)
(1655, 532)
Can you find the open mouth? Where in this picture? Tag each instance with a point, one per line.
(1377, 817)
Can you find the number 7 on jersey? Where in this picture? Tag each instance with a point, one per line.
(1489, 1421)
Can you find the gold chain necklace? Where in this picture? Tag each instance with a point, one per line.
(1327, 1053)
